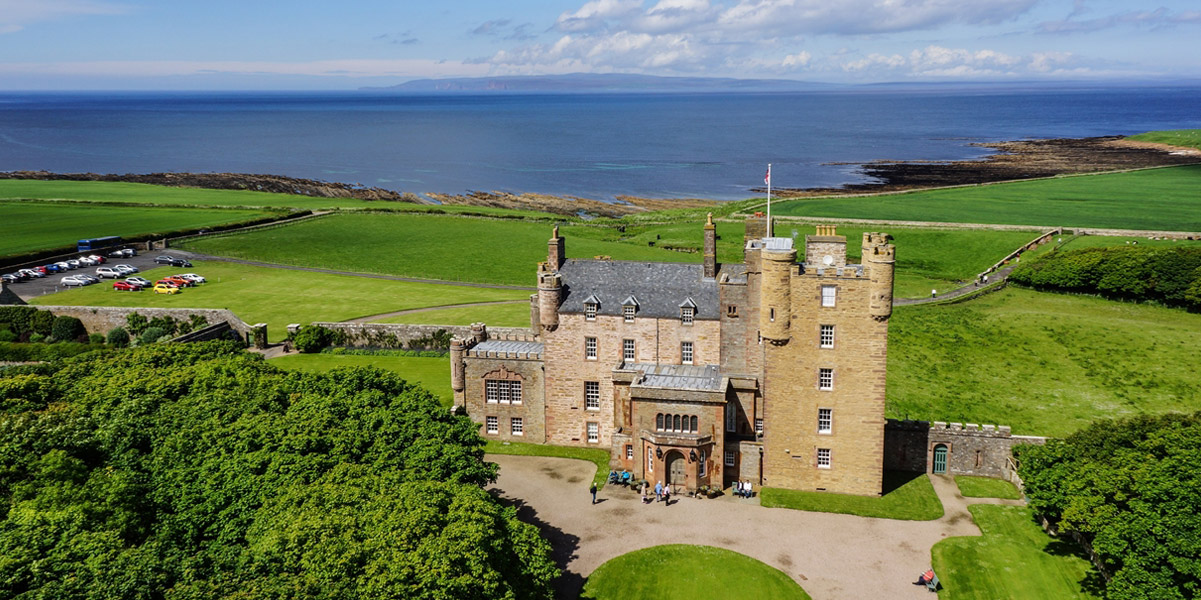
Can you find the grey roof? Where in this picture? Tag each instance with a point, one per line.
(777, 243)
(507, 346)
(677, 377)
(659, 287)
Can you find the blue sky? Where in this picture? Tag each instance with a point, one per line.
(270, 44)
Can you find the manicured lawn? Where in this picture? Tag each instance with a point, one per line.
(683, 572)
(1042, 363)
(598, 457)
(1013, 559)
(495, 315)
(986, 487)
(141, 193)
(1158, 199)
(29, 226)
(910, 497)
(430, 373)
(1177, 137)
(279, 297)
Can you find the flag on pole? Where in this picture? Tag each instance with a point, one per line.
(767, 177)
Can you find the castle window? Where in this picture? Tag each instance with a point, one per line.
(675, 423)
(492, 424)
(825, 420)
(693, 427)
(593, 432)
(686, 353)
(731, 311)
(759, 426)
(731, 416)
(730, 458)
(771, 315)
(828, 294)
(686, 315)
(590, 348)
(627, 350)
(659, 422)
(516, 426)
(823, 458)
(701, 459)
(825, 379)
(629, 452)
(627, 313)
(491, 391)
(650, 460)
(590, 311)
(592, 395)
(827, 336)
(502, 391)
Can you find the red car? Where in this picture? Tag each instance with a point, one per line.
(125, 286)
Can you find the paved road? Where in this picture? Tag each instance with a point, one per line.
(831, 556)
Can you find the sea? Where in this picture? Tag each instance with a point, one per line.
(602, 146)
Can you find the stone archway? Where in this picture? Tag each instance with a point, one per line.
(676, 467)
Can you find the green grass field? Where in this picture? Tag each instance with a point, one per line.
(598, 457)
(986, 487)
(908, 498)
(29, 226)
(1045, 364)
(430, 373)
(1190, 138)
(495, 315)
(279, 297)
(684, 572)
(1157, 199)
(1013, 559)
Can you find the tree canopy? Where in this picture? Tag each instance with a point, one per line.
(1171, 276)
(1132, 487)
(199, 471)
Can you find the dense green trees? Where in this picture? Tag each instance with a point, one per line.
(1171, 276)
(199, 471)
(1133, 488)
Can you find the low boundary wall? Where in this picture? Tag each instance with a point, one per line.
(406, 336)
(102, 319)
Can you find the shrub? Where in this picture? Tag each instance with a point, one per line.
(1171, 276)
(312, 338)
(7, 336)
(136, 323)
(67, 329)
(36, 338)
(118, 337)
(150, 335)
(95, 338)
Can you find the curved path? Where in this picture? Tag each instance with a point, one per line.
(832, 556)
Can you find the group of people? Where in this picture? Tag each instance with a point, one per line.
(662, 493)
(743, 489)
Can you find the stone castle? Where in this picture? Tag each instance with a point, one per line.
(770, 371)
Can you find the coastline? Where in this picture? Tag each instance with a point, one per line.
(1013, 161)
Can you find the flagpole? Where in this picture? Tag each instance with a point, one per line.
(769, 227)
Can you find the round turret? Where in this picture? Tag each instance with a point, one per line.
(550, 289)
(879, 257)
(457, 368)
(775, 294)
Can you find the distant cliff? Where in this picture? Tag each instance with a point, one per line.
(598, 83)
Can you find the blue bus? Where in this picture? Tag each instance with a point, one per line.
(98, 243)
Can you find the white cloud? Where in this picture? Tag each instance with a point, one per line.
(595, 14)
(1155, 19)
(852, 17)
(16, 14)
(623, 50)
(795, 61)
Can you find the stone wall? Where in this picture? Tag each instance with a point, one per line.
(972, 449)
(397, 335)
(102, 319)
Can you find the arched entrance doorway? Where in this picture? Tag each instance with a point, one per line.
(940, 459)
(676, 465)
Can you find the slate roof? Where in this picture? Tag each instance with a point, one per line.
(659, 287)
(677, 377)
(509, 347)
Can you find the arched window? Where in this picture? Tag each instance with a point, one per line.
(702, 461)
(676, 423)
(694, 428)
(659, 422)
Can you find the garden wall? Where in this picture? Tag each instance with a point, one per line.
(397, 335)
(102, 319)
(985, 450)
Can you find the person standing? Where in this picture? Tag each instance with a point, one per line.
(666, 495)
(593, 491)
(658, 491)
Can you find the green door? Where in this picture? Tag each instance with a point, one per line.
(940, 459)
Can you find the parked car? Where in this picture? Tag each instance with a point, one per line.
(90, 279)
(52, 268)
(16, 277)
(123, 253)
(125, 286)
(176, 281)
(86, 261)
(165, 288)
(64, 266)
(126, 269)
(72, 281)
(171, 260)
(194, 278)
(9, 278)
(109, 273)
(32, 273)
(73, 263)
(98, 258)
(141, 281)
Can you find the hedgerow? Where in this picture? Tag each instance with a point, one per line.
(1170, 276)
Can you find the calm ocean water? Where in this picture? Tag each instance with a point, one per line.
(597, 146)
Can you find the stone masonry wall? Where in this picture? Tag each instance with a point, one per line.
(102, 319)
(396, 335)
(531, 410)
(972, 449)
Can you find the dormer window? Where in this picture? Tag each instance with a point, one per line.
(686, 315)
(629, 307)
(591, 304)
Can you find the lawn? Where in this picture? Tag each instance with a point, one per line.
(431, 373)
(910, 497)
(1155, 199)
(1190, 138)
(684, 572)
(1042, 363)
(495, 315)
(1013, 559)
(280, 296)
(593, 455)
(986, 487)
(30, 226)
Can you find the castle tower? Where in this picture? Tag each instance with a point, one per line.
(775, 293)
(880, 259)
(556, 250)
(826, 249)
(457, 372)
(710, 248)
(550, 290)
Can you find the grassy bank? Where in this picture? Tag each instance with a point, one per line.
(278, 297)
(1189, 138)
(1045, 364)
(682, 572)
(1013, 559)
(593, 455)
(1155, 199)
(430, 373)
(908, 497)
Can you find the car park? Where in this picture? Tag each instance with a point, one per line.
(72, 281)
(125, 286)
(139, 281)
(194, 278)
(165, 288)
(109, 273)
(126, 269)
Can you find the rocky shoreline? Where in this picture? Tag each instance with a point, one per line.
(1016, 160)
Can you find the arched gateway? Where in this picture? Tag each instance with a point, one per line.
(676, 465)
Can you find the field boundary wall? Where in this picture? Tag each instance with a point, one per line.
(403, 335)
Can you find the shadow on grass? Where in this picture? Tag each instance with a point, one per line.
(564, 546)
(1093, 583)
(894, 480)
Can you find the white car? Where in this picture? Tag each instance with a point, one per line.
(33, 273)
(194, 278)
(72, 281)
(73, 264)
(64, 265)
(126, 269)
(87, 261)
(109, 272)
(142, 281)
